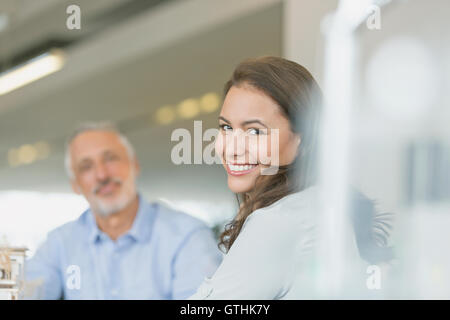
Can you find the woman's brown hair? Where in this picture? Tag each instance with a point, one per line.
(299, 97)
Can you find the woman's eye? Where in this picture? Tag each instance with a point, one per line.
(256, 131)
(225, 127)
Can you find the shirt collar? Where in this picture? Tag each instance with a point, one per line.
(139, 230)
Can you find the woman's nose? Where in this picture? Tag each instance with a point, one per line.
(236, 144)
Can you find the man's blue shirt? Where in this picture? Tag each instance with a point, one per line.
(165, 255)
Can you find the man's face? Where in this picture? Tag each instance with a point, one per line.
(103, 171)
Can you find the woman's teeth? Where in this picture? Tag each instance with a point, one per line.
(241, 168)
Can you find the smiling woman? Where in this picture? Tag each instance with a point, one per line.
(272, 107)
(257, 136)
(267, 97)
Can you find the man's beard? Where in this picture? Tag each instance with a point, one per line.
(107, 209)
(126, 196)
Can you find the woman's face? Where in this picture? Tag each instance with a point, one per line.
(254, 135)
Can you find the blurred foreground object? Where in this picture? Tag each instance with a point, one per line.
(12, 277)
(386, 132)
(12, 263)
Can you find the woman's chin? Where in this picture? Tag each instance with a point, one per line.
(240, 184)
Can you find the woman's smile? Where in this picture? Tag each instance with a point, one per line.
(240, 169)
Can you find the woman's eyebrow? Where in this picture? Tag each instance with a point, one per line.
(244, 123)
(253, 121)
(223, 119)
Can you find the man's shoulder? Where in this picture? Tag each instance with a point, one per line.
(70, 228)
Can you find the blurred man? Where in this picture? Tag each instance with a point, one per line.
(122, 247)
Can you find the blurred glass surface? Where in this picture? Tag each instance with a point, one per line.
(395, 139)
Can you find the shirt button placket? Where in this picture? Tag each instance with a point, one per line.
(115, 273)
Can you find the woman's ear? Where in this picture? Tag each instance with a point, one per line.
(297, 143)
(296, 140)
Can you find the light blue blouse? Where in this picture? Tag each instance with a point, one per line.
(269, 257)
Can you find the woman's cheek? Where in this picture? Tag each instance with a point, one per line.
(264, 151)
(229, 146)
(287, 149)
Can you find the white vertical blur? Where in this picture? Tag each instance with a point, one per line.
(336, 247)
(339, 60)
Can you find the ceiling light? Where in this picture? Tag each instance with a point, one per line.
(165, 115)
(27, 154)
(188, 108)
(30, 71)
(210, 102)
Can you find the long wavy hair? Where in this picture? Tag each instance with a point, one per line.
(299, 97)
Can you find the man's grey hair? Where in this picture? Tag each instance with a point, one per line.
(95, 126)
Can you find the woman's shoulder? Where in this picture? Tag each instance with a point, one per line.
(296, 206)
(293, 216)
